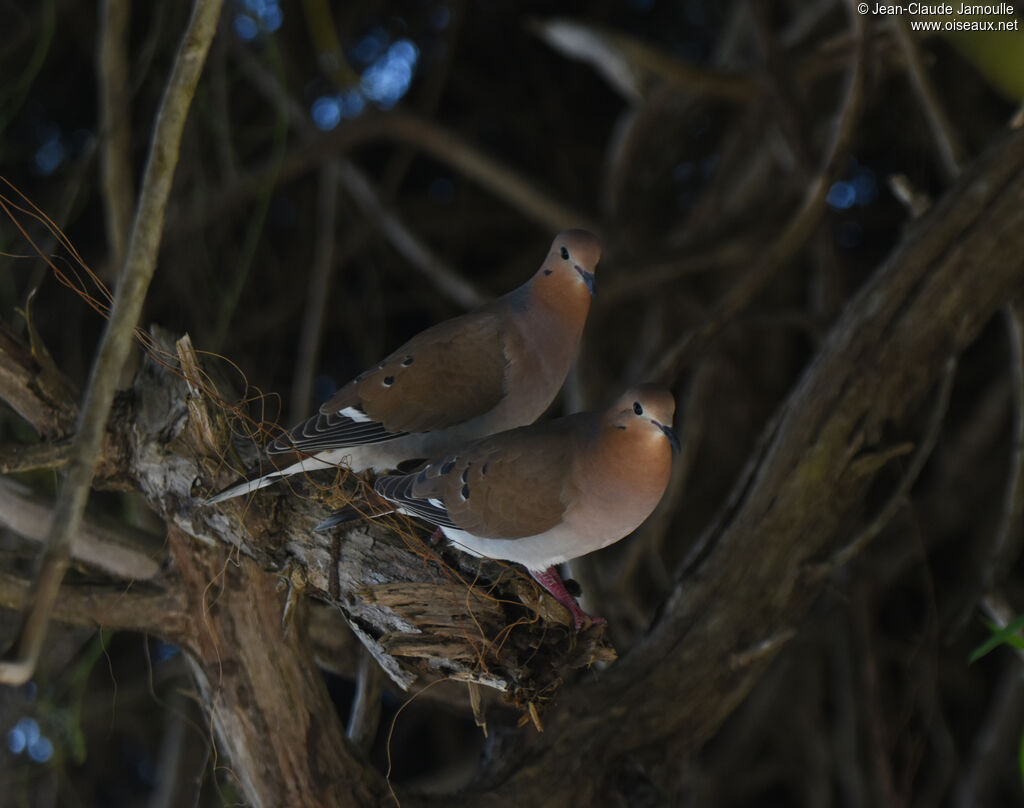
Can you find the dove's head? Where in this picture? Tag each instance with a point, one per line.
(571, 262)
(645, 412)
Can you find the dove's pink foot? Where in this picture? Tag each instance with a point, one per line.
(552, 582)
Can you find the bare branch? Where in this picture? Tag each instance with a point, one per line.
(115, 126)
(162, 614)
(355, 182)
(1006, 544)
(402, 239)
(33, 387)
(999, 731)
(947, 143)
(629, 63)
(119, 551)
(17, 457)
(438, 142)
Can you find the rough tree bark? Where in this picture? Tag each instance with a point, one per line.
(741, 597)
(268, 702)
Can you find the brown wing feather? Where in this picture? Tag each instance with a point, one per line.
(517, 483)
(444, 376)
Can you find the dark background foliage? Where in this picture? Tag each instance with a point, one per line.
(873, 702)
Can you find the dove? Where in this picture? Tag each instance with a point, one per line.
(492, 369)
(543, 494)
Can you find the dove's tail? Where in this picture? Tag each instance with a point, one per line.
(255, 484)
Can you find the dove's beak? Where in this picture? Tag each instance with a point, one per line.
(672, 439)
(588, 278)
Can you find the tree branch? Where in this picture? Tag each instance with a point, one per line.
(34, 388)
(115, 126)
(120, 551)
(268, 701)
(442, 144)
(162, 614)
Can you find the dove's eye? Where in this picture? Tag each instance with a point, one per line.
(565, 254)
(637, 408)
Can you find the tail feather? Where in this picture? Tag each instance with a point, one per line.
(346, 514)
(255, 484)
(247, 487)
(350, 514)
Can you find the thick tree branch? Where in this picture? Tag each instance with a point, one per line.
(34, 388)
(162, 614)
(19, 457)
(269, 704)
(120, 551)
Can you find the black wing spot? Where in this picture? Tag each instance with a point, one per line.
(408, 361)
(448, 466)
(465, 492)
(547, 271)
(620, 426)
(389, 380)
(483, 471)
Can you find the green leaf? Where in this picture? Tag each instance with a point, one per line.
(1008, 635)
